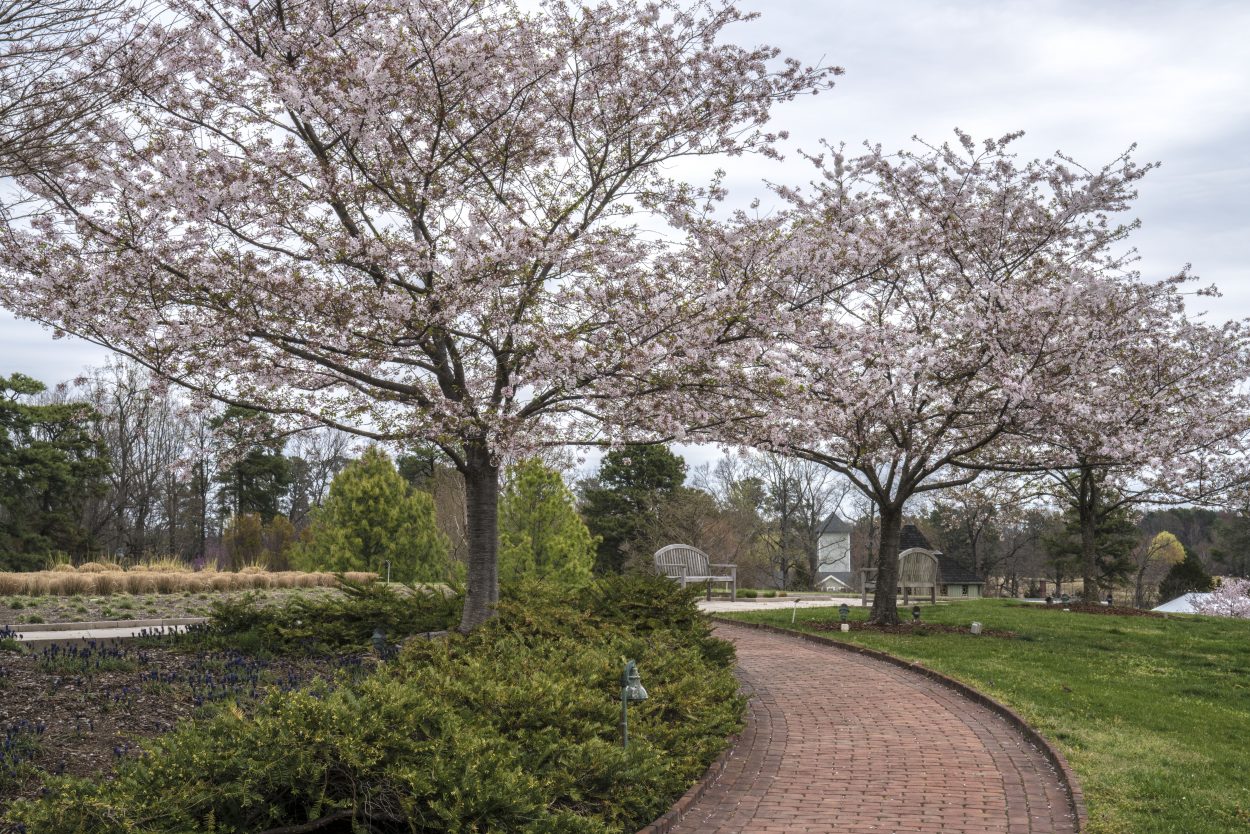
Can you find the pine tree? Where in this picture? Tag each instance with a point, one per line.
(50, 462)
(372, 516)
(1185, 577)
(1115, 537)
(540, 533)
(624, 501)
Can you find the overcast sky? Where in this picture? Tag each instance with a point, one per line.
(1089, 79)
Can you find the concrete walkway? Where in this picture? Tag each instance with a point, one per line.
(102, 630)
(838, 742)
(721, 606)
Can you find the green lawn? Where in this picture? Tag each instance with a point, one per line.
(1152, 713)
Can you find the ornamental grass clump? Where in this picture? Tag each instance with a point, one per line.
(511, 728)
(99, 567)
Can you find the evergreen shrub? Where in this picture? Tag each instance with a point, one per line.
(331, 623)
(513, 728)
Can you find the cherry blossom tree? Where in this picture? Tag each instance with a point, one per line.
(43, 108)
(1158, 414)
(1231, 599)
(414, 221)
(942, 302)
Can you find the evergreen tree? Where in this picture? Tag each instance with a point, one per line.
(540, 533)
(244, 540)
(1115, 537)
(1184, 577)
(248, 540)
(373, 516)
(50, 463)
(259, 480)
(1232, 545)
(623, 502)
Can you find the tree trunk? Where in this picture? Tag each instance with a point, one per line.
(481, 482)
(1089, 536)
(884, 607)
(1138, 588)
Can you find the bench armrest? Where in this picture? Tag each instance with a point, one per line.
(733, 568)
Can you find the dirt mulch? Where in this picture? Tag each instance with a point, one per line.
(920, 629)
(1119, 611)
(81, 709)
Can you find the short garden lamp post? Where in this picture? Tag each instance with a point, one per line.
(631, 690)
(379, 642)
(915, 613)
(388, 571)
(844, 612)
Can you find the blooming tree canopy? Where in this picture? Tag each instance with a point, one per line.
(406, 219)
(953, 298)
(1159, 412)
(1231, 599)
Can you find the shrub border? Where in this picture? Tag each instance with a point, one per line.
(1076, 798)
(682, 806)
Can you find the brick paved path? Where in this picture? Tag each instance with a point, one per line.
(848, 744)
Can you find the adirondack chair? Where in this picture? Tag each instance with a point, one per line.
(689, 564)
(917, 571)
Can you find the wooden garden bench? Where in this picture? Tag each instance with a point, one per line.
(689, 564)
(917, 571)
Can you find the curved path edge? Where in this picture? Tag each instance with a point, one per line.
(675, 814)
(1075, 797)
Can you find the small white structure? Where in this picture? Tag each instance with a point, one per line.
(833, 555)
(1184, 604)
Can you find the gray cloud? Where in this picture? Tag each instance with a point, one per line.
(1087, 78)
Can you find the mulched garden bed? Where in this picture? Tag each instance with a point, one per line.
(80, 708)
(1119, 611)
(915, 629)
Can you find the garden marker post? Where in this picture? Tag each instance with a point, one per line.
(631, 690)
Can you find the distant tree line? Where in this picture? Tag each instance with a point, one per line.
(115, 466)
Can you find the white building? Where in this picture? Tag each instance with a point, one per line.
(833, 555)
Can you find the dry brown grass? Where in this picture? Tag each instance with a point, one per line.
(168, 583)
(64, 567)
(99, 567)
(141, 581)
(162, 564)
(109, 582)
(71, 584)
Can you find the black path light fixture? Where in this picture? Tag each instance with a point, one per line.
(631, 690)
(844, 614)
(915, 613)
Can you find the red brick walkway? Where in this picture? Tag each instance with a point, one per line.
(843, 743)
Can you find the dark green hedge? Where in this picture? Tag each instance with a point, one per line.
(510, 729)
